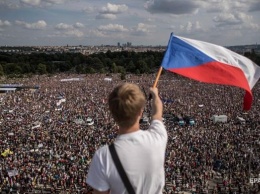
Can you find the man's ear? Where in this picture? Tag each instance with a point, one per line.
(141, 112)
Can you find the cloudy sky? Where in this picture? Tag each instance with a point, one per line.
(141, 22)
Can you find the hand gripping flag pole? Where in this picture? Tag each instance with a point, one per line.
(156, 80)
(155, 83)
(157, 77)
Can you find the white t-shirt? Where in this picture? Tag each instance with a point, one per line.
(142, 155)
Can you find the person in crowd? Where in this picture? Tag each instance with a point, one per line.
(141, 152)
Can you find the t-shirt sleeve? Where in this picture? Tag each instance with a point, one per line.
(96, 176)
(158, 127)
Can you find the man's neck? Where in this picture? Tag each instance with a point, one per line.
(128, 130)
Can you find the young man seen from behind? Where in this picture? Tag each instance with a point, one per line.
(141, 152)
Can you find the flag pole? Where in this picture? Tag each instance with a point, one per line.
(157, 77)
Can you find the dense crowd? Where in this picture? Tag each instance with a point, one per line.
(46, 142)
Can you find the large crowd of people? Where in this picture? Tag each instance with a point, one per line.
(49, 135)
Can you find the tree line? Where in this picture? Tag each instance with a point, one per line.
(18, 64)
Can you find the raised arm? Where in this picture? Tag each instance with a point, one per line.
(157, 106)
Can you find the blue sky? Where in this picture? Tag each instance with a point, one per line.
(141, 22)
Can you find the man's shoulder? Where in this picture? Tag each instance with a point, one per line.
(102, 152)
(102, 148)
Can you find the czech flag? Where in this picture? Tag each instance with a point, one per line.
(211, 63)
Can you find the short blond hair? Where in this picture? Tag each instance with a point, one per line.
(125, 103)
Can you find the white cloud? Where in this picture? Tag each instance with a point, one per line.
(225, 19)
(89, 9)
(142, 29)
(106, 16)
(74, 33)
(79, 25)
(9, 4)
(217, 6)
(4, 23)
(239, 5)
(110, 11)
(150, 19)
(232, 15)
(226, 6)
(97, 33)
(70, 30)
(243, 17)
(254, 27)
(31, 2)
(41, 24)
(190, 27)
(62, 26)
(113, 8)
(113, 28)
(54, 1)
(68, 34)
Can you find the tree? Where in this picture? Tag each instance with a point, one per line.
(12, 68)
(120, 69)
(1, 70)
(41, 69)
(97, 63)
(65, 66)
(76, 61)
(50, 67)
(90, 70)
(130, 67)
(114, 68)
(142, 66)
(80, 68)
(26, 68)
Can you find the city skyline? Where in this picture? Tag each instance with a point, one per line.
(140, 22)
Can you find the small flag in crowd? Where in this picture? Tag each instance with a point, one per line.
(211, 63)
(6, 152)
(12, 172)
